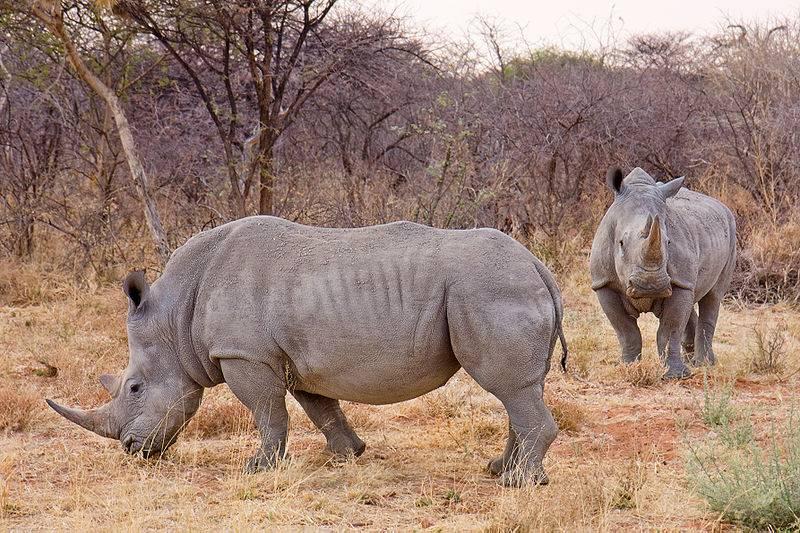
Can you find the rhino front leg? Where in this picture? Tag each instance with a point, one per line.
(258, 387)
(671, 327)
(327, 415)
(625, 326)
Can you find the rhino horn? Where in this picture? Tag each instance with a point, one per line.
(652, 249)
(96, 420)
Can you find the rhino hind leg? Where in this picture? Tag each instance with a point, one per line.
(500, 464)
(327, 416)
(261, 391)
(505, 347)
(534, 430)
(706, 325)
(689, 335)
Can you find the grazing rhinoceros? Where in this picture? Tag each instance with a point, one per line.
(661, 249)
(374, 315)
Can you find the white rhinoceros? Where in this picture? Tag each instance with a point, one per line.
(375, 315)
(661, 249)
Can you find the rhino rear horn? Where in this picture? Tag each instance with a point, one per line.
(95, 420)
(652, 249)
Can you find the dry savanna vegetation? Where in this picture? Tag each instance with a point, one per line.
(127, 126)
(625, 457)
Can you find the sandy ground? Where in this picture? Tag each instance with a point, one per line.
(619, 461)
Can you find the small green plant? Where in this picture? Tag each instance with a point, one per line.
(452, 496)
(768, 355)
(737, 435)
(755, 486)
(424, 501)
(718, 412)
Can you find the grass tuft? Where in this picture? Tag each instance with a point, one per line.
(768, 355)
(717, 411)
(646, 372)
(569, 416)
(628, 484)
(19, 408)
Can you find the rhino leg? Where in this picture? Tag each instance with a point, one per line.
(707, 324)
(671, 327)
(498, 465)
(625, 326)
(505, 347)
(534, 430)
(327, 415)
(689, 334)
(259, 388)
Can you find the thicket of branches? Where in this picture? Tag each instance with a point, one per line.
(333, 116)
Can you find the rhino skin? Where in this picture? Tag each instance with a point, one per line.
(375, 315)
(661, 248)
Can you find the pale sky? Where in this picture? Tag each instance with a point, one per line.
(579, 23)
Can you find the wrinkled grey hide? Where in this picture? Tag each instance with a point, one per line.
(662, 249)
(373, 315)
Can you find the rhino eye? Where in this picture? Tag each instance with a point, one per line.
(621, 244)
(136, 387)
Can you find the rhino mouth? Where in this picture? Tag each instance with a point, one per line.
(660, 289)
(133, 446)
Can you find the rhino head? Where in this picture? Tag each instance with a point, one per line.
(154, 397)
(640, 233)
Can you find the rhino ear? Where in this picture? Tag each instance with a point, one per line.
(614, 179)
(136, 288)
(671, 188)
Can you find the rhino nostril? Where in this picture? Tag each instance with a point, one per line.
(127, 443)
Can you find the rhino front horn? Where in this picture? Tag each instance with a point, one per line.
(95, 420)
(652, 251)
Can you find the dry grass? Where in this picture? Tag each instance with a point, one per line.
(768, 354)
(24, 284)
(645, 372)
(617, 464)
(19, 409)
(769, 266)
(569, 416)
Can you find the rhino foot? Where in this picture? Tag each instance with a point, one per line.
(345, 447)
(517, 478)
(496, 466)
(698, 359)
(260, 463)
(678, 372)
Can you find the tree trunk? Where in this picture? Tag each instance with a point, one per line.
(266, 170)
(55, 23)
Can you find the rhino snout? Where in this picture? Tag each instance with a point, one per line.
(133, 446)
(659, 287)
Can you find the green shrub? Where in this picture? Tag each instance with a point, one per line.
(755, 486)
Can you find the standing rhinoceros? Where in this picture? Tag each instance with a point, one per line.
(661, 249)
(374, 315)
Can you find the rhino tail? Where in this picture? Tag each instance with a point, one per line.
(555, 294)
